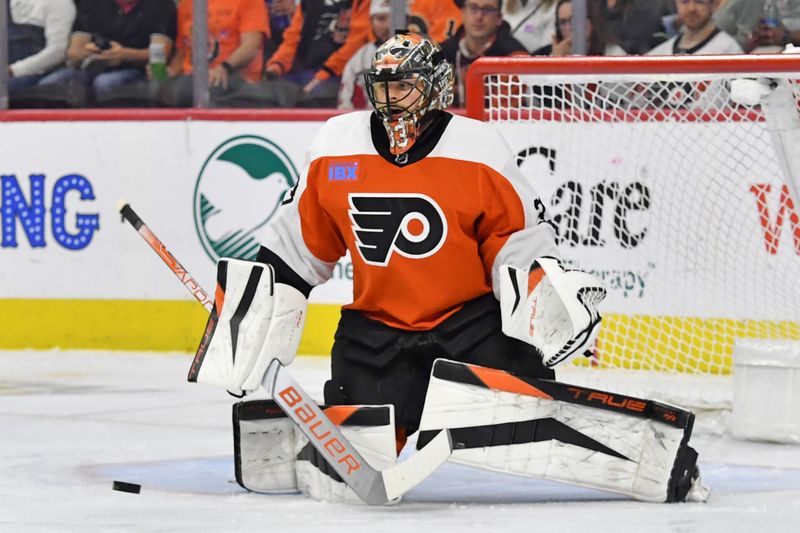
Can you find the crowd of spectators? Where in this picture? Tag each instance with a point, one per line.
(310, 53)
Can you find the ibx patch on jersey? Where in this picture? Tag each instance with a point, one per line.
(343, 171)
(413, 225)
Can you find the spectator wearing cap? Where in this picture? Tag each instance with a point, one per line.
(109, 46)
(38, 36)
(351, 90)
(236, 33)
(483, 33)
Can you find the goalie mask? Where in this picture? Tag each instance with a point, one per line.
(409, 77)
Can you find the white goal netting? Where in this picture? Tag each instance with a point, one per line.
(665, 178)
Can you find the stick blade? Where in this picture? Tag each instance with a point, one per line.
(406, 475)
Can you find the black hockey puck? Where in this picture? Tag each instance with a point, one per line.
(133, 488)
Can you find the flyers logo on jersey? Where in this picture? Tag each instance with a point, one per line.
(412, 225)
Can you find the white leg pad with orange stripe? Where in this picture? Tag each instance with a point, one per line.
(550, 430)
(271, 455)
(370, 429)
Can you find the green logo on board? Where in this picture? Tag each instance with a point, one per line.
(238, 190)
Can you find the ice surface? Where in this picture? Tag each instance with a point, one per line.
(72, 422)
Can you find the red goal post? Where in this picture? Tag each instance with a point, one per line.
(670, 179)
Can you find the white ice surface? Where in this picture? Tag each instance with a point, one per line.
(74, 421)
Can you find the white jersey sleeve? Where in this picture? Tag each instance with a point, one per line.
(285, 235)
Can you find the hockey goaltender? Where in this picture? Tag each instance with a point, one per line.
(461, 308)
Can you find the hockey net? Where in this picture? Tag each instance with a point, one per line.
(663, 177)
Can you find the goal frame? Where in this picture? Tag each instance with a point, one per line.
(698, 64)
(779, 115)
(482, 100)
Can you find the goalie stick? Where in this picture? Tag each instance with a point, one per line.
(372, 486)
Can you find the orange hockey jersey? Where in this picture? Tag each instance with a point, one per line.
(425, 237)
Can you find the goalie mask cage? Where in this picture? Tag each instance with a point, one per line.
(670, 178)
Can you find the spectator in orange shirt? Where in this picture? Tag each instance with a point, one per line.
(352, 93)
(236, 32)
(441, 17)
(317, 30)
(280, 15)
(437, 18)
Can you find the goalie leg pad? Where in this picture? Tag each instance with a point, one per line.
(370, 429)
(264, 447)
(550, 430)
(272, 456)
